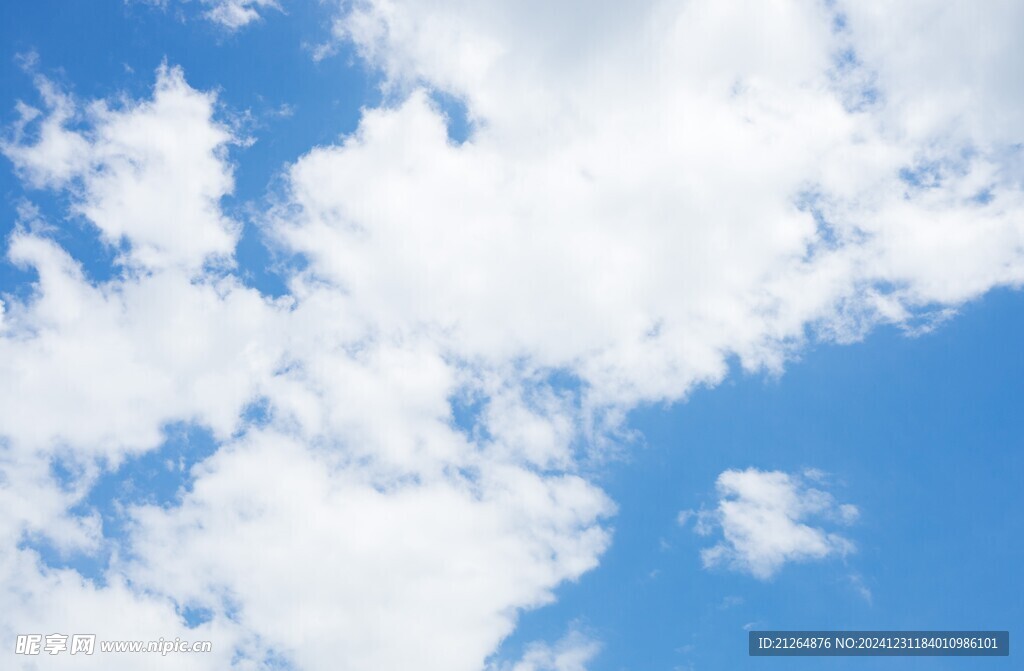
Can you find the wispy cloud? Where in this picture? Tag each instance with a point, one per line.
(861, 588)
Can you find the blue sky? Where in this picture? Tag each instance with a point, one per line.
(425, 333)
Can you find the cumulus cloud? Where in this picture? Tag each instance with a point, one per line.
(764, 518)
(148, 175)
(648, 191)
(355, 488)
(329, 567)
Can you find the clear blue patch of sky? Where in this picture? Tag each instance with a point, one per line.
(460, 126)
(195, 616)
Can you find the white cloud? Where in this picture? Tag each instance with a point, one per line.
(39, 600)
(765, 520)
(333, 568)
(648, 192)
(57, 154)
(235, 14)
(359, 480)
(99, 369)
(685, 516)
(231, 15)
(572, 652)
(149, 174)
(945, 65)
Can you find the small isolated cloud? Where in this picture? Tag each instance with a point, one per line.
(234, 14)
(765, 521)
(849, 513)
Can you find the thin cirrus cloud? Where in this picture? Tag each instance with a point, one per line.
(767, 519)
(647, 192)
